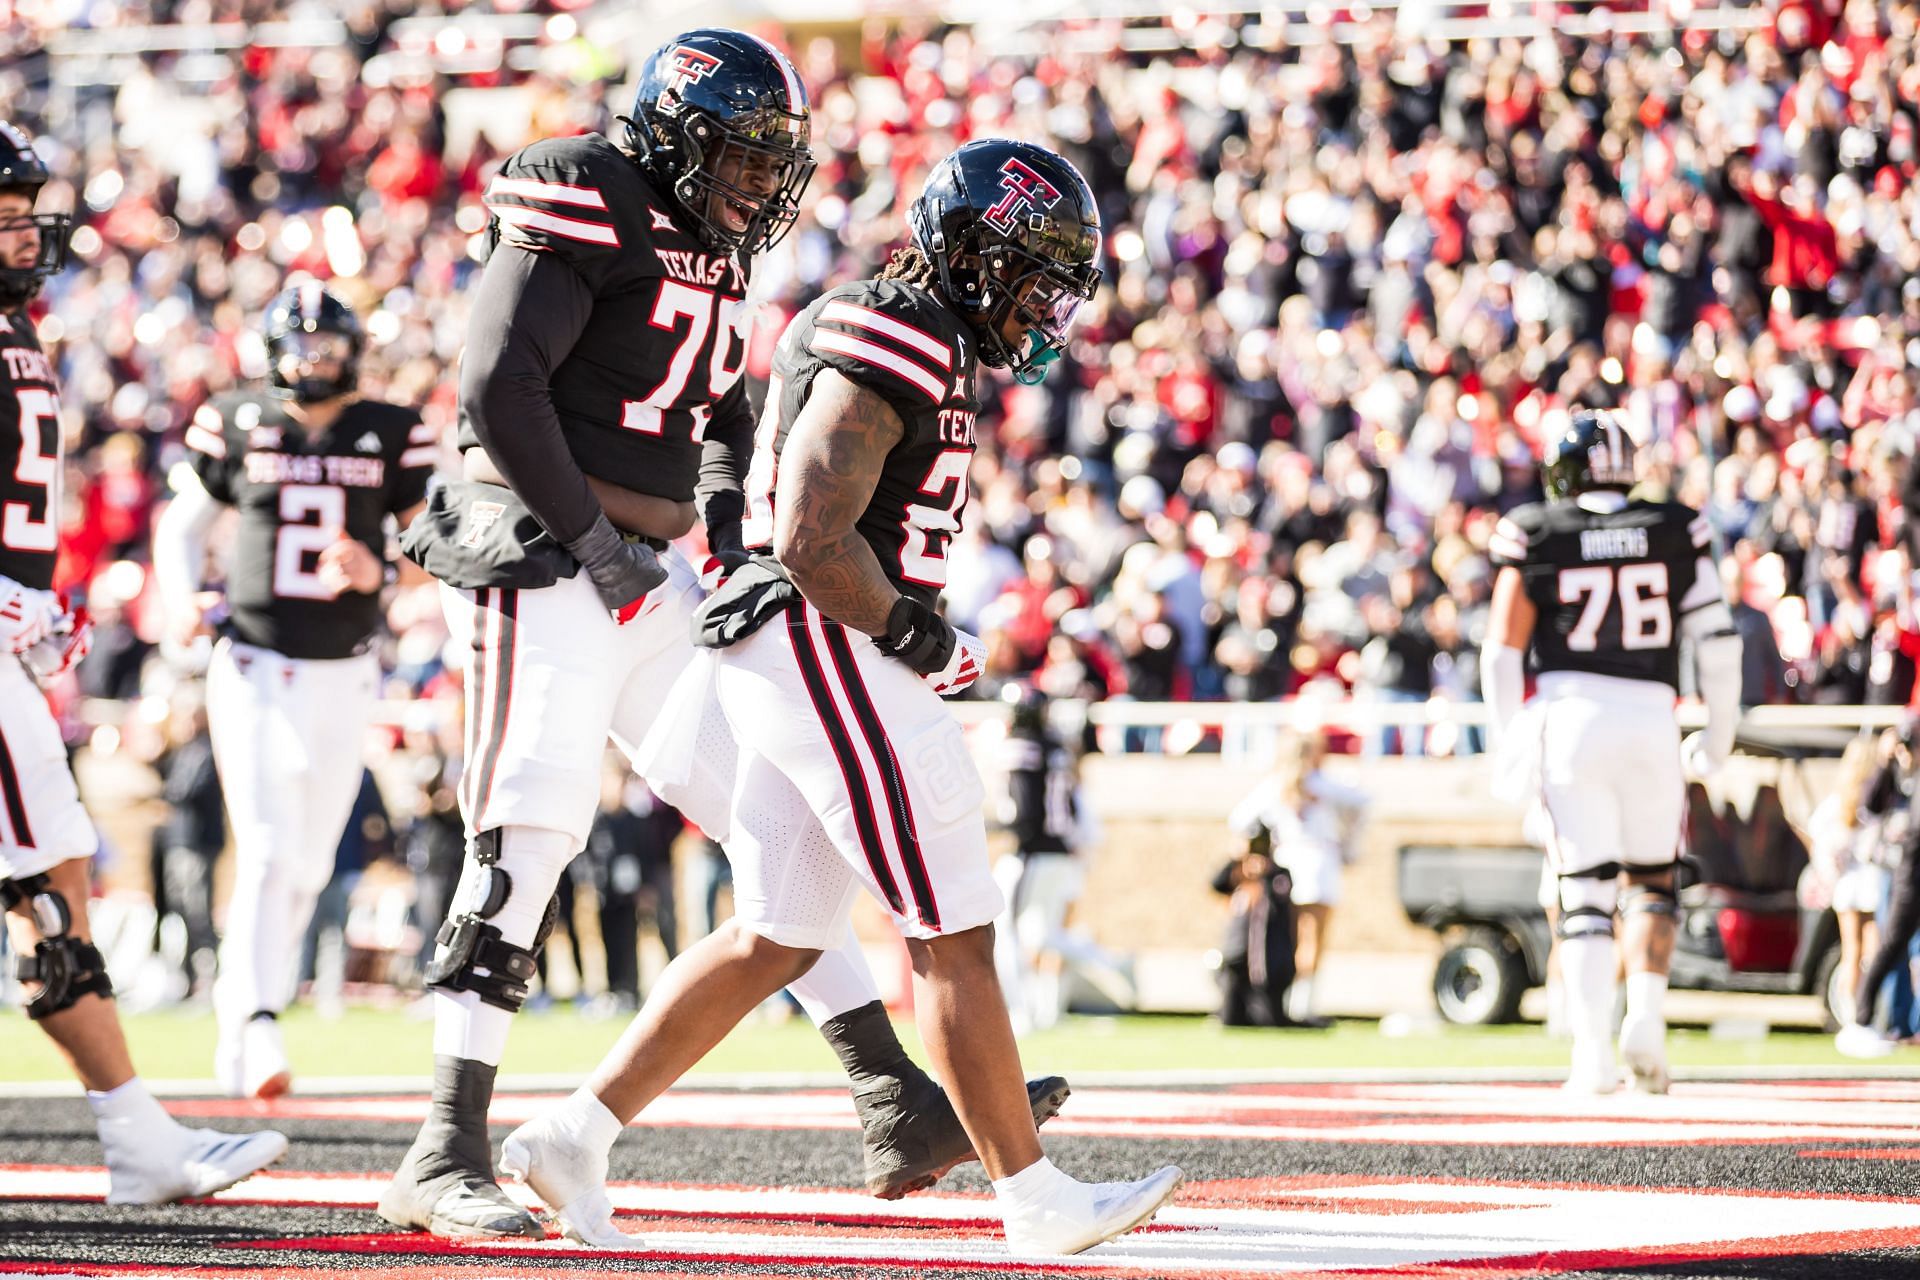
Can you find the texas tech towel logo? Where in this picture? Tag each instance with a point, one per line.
(1024, 189)
(689, 66)
(481, 516)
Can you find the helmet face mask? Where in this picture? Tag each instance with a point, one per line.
(1013, 235)
(314, 343)
(22, 174)
(721, 118)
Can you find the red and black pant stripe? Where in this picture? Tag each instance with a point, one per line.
(16, 803)
(490, 691)
(814, 676)
(899, 807)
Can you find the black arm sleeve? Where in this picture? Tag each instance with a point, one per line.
(529, 311)
(724, 455)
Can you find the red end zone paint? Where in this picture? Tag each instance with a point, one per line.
(1554, 1264)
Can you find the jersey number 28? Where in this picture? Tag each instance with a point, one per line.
(1646, 615)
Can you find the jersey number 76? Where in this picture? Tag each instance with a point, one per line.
(1646, 615)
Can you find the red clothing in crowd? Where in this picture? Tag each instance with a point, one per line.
(1805, 251)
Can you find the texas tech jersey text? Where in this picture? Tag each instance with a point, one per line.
(1610, 587)
(30, 449)
(296, 494)
(662, 356)
(901, 342)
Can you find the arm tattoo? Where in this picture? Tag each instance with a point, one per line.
(828, 468)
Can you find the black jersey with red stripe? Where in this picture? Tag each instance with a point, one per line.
(297, 493)
(661, 356)
(901, 342)
(1609, 586)
(30, 456)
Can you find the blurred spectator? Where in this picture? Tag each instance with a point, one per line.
(189, 839)
(628, 864)
(1310, 823)
(1256, 951)
(1349, 293)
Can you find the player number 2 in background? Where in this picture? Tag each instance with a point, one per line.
(1646, 617)
(300, 537)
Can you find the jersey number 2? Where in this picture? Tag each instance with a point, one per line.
(299, 537)
(928, 529)
(1646, 616)
(35, 469)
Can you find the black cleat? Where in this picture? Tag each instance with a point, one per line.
(446, 1184)
(913, 1138)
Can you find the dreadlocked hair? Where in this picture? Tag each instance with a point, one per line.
(910, 266)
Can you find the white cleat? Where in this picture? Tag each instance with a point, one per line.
(1643, 1052)
(194, 1163)
(1086, 1213)
(570, 1177)
(1595, 1070)
(1859, 1041)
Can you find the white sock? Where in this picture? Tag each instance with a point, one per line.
(129, 1111)
(466, 1027)
(1587, 965)
(585, 1117)
(1300, 999)
(1647, 996)
(1034, 1183)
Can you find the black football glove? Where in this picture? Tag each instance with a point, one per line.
(623, 572)
(918, 636)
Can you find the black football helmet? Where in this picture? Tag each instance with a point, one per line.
(1593, 452)
(23, 172)
(714, 102)
(305, 323)
(1012, 231)
(1029, 707)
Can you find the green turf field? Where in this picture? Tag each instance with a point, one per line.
(362, 1042)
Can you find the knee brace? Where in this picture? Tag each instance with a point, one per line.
(1654, 899)
(472, 955)
(66, 967)
(1587, 901)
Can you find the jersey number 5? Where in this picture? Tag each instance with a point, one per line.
(928, 529)
(1646, 616)
(37, 468)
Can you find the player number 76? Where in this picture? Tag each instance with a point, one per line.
(1646, 616)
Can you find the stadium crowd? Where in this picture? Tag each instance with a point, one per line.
(1351, 287)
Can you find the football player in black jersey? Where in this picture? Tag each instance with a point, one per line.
(1601, 589)
(313, 472)
(602, 411)
(831, 666)
(46, 839)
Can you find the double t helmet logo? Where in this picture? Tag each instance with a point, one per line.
(1024, 189)
(687, 67)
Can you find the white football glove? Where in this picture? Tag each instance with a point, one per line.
(70, 640)
(27, 616)
(1698, 757)
(968, 660)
